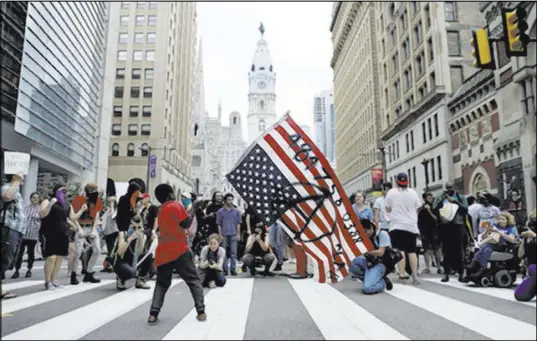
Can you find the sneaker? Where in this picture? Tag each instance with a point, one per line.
(15, 275)
(120, 285)
(388, 283)
(445, 279)
(152, 320)
(426, 272)
(202, 317)
(74, 280)
(49, 286)
(28, 274)
(233, 273)
(56, 285)
(253, 271)
(440, 271)
(140, 284)
(278, 267)
(89, 277)
(415, 280)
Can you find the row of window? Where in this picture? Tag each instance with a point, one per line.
(427, 134)
(138, 38)
(131, 149)
(137, 55)
(434, 170)
(135, 73)
(140, 5)
(132, 129)
(134, 111)
(140, 20)
(135, 92)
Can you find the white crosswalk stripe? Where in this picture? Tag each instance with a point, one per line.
(90, 311)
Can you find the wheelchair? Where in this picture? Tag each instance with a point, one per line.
(502, 268)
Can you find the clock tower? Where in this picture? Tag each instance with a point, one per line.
(262, 90)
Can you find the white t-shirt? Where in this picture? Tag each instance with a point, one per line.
(404, 204)
(384, 220)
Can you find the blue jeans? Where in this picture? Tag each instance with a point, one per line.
(372, 278)
(229, 243)
(483, 255)
(277, 241)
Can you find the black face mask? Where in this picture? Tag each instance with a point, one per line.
(451, 192)
(483, 201)
(92, 197)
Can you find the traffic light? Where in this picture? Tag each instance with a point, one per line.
(514, 32)
(482, 49)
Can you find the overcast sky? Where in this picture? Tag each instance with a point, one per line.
(298, 37)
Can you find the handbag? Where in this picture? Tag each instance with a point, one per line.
(491, 238)
(448, 212)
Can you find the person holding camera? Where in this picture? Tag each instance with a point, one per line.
(212, 258)
(370, 268)
(257, 246)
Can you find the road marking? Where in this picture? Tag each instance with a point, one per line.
(487, 323)
(227, 310)
(20, 285)
(338, 317)
(7, 315)
(31, 300)
(82, 321)
(501, 293)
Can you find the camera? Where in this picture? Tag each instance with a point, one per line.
(211, 262)
(258, 231)
(371, 260)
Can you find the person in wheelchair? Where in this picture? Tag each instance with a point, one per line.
(373, 267)
(212, 258)
(258, 252)
(498, 237)
(128, 251)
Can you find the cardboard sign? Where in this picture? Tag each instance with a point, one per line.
(15, 163)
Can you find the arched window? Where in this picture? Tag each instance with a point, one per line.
(262, 105)
(145, 149)
(196, 129)
(261, 125)
(130, 149)
(196, 161)
(115, 149)
(234, 120)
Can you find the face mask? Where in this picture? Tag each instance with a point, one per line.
(186, 202)
(92, 197)
(451, 192)
(60, 196)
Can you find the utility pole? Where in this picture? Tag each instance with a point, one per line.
(425, 164)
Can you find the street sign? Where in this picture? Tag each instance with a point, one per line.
(153, 166)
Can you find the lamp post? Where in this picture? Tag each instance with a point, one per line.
(425, 164)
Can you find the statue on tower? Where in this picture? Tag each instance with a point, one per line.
(262, 28)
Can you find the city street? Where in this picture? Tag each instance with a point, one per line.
(266, 308)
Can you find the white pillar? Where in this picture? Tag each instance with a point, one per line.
(30, 180)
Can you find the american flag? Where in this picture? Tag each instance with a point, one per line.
(288, 181)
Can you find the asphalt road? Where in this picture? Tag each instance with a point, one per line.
(266, 308)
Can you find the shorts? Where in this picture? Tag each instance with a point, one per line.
(430, 242)
(404, 241)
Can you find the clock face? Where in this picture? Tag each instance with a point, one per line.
(262, 85)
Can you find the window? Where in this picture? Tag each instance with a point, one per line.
(454, 44)
(116, 129)
(430, 48)
(152, 4)
(395, 62)
(141, 5)
(135, 92)
(439, 163)
(390, 153)
(420, 65)
(427, 16)
(133, 111)
(430, 128)
(414, 176)
(196, 161)
(123, 38)
(118, 93)
(133, 129)
(404, 20)
(151, 20)
(432, 78)
(124, 19)
(433, 173)
(261, 105)
(412, 140)
(130, 149)
(118, 111)
(409, 177)
(261, 126)
(385, 72)
(148, 74)
(121, 55)
(408, 79)
(397, 89)
(148, 92)
(424, 132)
(393, 38)
(417, 34)
(138, 38)
(140, 20)
(145, 149)
(406, 48)
(407, 143)
(146, 129)
(449, 11)
(137, 55)
(415, 7)
(124, 4)
(397, 148)
(436, 132)
(115, 149)
(408, 103)
(383, 46)
(146, 111)
(149, 55)
(136, 73)
(120, 73)
(457, 78)
(151, 38)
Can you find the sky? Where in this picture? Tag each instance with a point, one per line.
(299, 41)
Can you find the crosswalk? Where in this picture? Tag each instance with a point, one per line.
(268, 308)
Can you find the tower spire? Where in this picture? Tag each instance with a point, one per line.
(262, 28)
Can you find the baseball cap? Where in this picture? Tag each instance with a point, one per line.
(186, 195)
(402, 179)
(146, 196)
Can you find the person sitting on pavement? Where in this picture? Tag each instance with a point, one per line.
(257, 246)
(495, 238)
(212, 258)
(369, 267)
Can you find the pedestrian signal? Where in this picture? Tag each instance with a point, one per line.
(482, 49)
(514, 32)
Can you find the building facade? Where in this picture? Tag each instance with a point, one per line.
(154, 97)
(356, 93)
(424, 56)
(54, 90)
(324, 125)
(262, 91)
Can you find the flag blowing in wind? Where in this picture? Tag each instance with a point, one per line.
(287, 180)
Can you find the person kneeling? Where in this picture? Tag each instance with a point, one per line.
(129, 250)
(212, 258)
(257, 246)
(369, 268)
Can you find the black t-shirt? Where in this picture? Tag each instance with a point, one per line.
(125, 212)
(426, 223)
(211, 221)
(256, 249)
(149, 215)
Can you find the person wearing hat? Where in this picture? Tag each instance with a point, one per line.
(402, 204)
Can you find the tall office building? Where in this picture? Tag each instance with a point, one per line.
(154, 92)
(53, 56)
(323, 119)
